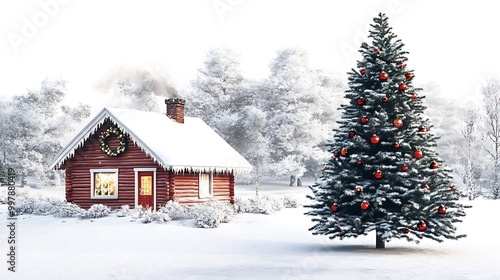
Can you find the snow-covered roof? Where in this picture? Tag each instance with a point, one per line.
(191, 145)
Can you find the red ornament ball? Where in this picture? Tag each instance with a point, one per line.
(409, 76)
(385, 99)
(422, 226)
(335, 207)
(377, 50)
(378, 174)
(400, 64)
(422, 129)
(453, 188)
(362, 71)
(336, 154)
(404, 168)
(406, 231)
(364, 205)
(344, 152)
(402, 87)
(375, 139)
(337, 229)
(352, 133)
(413, 96)
(433, 165)
(361, 101)
(396, 145)
(383, 76)
(442, 209)
(426, 188)
(358, 189)
(364, 120)
(324, 168)
(397, 123)
(359, 162)
(418, 154)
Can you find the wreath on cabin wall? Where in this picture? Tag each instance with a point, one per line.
(104, 142)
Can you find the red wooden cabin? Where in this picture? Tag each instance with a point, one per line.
(137, 158)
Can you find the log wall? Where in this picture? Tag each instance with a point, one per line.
(186, 188)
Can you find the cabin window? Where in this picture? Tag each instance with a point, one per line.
(104, 183)
(205, 182)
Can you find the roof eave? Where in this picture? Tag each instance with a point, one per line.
(85, 133)
(77, 140)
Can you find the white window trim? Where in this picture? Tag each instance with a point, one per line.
(92, 191)
(210, 185)
(136, 171)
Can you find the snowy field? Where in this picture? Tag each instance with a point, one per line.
(251, 246)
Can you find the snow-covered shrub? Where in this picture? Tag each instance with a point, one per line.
(36, 205)
(149, 216)
(136, 213)
(265, 204)
(146, 216)
(212, 214)
(95, 211)
(242, 205)
(277, 203)
(123, 211)
(290, 201)
(176, 211)
(25, 205)
(68, 210)
(161, 217)
(47, 206)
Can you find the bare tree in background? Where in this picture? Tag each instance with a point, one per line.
(472, 170)
(491, 95)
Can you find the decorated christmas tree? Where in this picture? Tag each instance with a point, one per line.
(384, 174)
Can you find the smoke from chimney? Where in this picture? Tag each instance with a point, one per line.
(141, 79)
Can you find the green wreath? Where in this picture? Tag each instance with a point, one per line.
(104, 142)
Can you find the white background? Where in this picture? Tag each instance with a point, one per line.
(453, 44)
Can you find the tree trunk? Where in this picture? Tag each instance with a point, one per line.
(468, 171)
(299, 182)
(496, 181)
(24, 180)
(380, 244)
(292, 180)
(257, 180)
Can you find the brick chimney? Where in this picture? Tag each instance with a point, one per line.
(175, 109)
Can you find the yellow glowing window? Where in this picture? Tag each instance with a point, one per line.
(146, 185)
(104, 183)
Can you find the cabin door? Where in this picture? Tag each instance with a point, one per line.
(145, 191)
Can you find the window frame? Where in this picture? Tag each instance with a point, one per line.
(210, 192)
(92, 183)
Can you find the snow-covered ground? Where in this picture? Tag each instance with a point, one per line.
(251, 246)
